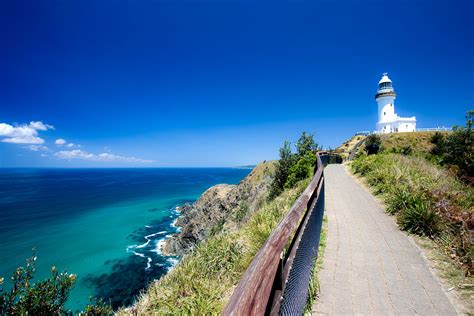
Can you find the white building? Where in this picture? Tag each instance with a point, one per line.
(389, 121)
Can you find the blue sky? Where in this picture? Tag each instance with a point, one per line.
(219, 83)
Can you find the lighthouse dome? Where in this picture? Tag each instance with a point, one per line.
(385, 87)
(385, 78)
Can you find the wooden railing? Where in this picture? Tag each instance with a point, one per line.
(260, 289)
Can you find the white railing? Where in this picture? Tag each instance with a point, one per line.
(424, 129)
(434, 129)
(364, 133)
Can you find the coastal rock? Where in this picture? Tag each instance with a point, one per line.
(222, 206)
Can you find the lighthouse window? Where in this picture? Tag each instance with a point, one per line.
(383, 113)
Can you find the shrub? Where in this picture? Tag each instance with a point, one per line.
(303, 169)
(96, 308)
(373, 144)
(241, 211)
(456, 150)
(43, 298)
(418, 217)
(293, 167)
(46, 297)
(459, 151)
(398, 200)
(438, 141)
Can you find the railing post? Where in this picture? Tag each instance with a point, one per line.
(277, 290)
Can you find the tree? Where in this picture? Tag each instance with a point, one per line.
(287, 160)
(303, 169)
(469, 116)
(306, 144)
(373, 144)
(293, 167)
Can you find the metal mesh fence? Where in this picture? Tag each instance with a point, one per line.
(296, 289)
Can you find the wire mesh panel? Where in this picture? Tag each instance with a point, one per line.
(296, 288)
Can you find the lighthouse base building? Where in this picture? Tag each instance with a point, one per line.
(389, 121)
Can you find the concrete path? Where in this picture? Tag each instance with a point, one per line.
(370, 267)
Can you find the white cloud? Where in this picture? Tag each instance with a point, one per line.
(40, 126)
(63, 142)
(60, 141)
(44, 155)
(37, 147)
(23, 134)
(104, 157)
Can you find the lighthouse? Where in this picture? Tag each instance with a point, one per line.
(388, 120)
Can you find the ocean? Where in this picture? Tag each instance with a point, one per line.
(104, 225)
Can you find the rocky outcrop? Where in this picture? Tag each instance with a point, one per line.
(221, 207)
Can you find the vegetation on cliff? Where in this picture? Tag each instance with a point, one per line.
(221, 208)
(204, 279)
(239, 222)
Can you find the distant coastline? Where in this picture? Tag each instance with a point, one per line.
(245, 167)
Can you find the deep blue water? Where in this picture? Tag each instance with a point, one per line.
(102, 224)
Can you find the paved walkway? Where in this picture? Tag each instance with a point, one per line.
(370, 267)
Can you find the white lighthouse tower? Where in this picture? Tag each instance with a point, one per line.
(389, 121)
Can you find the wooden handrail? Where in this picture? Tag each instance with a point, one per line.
(254, 291)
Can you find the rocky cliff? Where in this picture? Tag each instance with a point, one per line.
(221, 207)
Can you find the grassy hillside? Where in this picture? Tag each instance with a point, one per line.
(347, 147)
(419, 142)
(203, 281)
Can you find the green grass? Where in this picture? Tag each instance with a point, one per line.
(203, 281)
(419, 142)
(348, 146)
(425, 199)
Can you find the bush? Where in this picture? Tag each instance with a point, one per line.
(438, 141)
(373, 144)
(241, 212)
(456, 151)
(96, 308)
(418, 216)
(45, 297)
(293, 167)
(303, 169)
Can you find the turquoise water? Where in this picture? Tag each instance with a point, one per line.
(103, 225)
